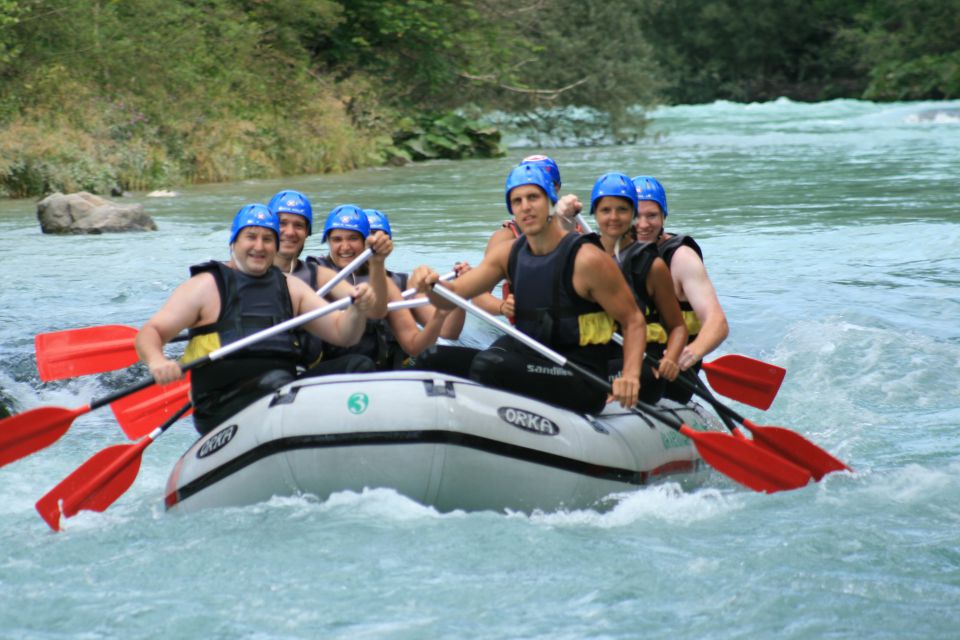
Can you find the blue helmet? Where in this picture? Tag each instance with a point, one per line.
(613, 184)
(529, 174)
(649, 188)
(349, 217)
(378, 221)
(255, 215)
(547, 164)
(289, 201)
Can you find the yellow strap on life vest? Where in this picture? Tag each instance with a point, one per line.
(656, 333)
(200, 346)
(692, 321)
(596, 328)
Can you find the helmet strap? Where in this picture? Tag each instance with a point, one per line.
(236, 263)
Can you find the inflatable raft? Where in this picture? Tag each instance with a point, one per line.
(441, 440)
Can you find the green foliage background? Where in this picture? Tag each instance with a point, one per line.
(139, 94)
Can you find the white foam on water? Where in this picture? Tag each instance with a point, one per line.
(666, 502)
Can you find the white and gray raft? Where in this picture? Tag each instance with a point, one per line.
(441, 440)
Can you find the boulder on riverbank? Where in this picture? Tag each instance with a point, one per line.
(86, 213)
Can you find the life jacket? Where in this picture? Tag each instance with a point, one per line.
(307, 271)
(548, 308)
(248, 304)
(667, 248)
(635, 263)
(399, 279)
(311, 346)
(378, 341)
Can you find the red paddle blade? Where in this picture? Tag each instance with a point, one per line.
(797, 449)
(751, 466)
(30, 431)
(94, 485)
(744, 379)
(140, 412)
(79, 352)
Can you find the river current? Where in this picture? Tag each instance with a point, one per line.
(832, 234)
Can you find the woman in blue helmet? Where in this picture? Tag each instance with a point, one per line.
(704, 317)
(225, 302)
(613, 203)
(386, 343)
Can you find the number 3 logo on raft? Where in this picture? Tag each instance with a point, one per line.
(358, 403)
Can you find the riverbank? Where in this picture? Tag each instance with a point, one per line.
(108, 147)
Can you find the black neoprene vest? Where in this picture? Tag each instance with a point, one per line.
(547, 306)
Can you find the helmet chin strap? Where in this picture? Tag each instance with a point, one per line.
(236, 263)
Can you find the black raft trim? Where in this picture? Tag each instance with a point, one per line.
(495, 447)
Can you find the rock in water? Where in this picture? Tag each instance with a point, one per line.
(86, 213)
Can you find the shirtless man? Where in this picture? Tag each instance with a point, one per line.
(706, 322)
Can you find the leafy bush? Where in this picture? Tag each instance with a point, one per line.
(449, 136)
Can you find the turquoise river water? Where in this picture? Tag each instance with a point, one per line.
(832, 233)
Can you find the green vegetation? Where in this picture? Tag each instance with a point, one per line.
(139, 94)
(805, 49)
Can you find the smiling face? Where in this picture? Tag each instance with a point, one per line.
(293, 235)
(614, 216)
(649, 224)
(254, 249)
(530, 207)
(345, 245)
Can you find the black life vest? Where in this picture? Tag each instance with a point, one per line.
(248, 304)
(311, 346)
(399, 279)
(635, 263)
(307, 271)
(548, 308)
(378, 341)
(667, 248)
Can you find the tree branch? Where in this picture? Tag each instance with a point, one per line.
(547, 94)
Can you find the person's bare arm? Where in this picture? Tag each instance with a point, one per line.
(193, 303)
(487, 301)
(340, 290)
(491, 270)
(452, 325)
(660, 284)
(695, 285)
(382, 245)
(597, 277)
